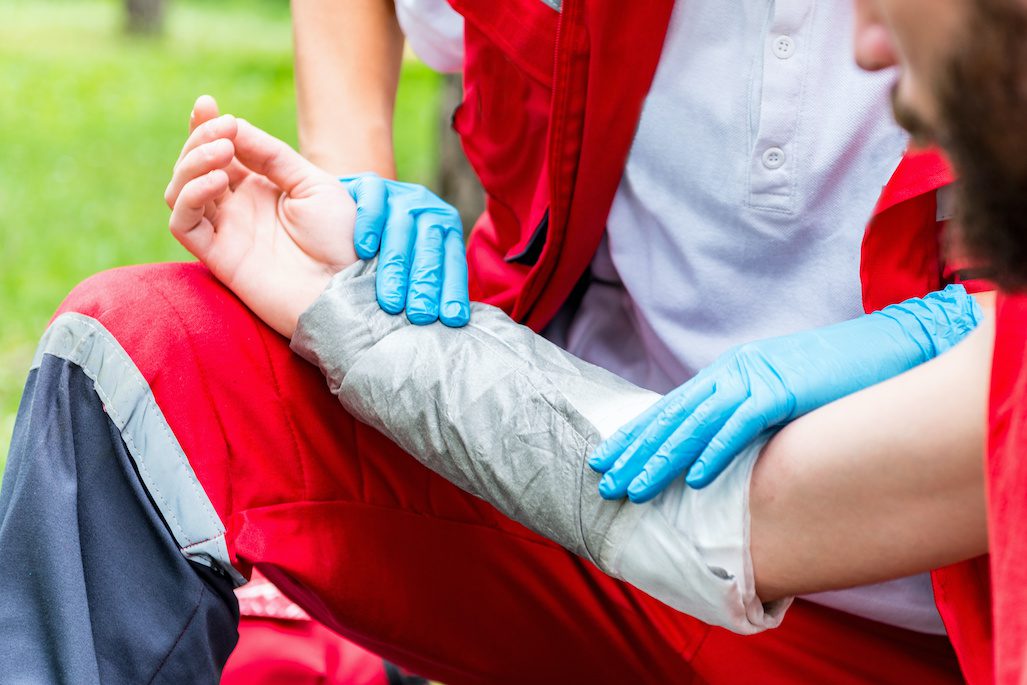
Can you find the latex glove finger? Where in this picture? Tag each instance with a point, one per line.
(740, 430)
(455, 310)
(426, 268)
(679, 453)
(188, 223)
(371, 195)
(197, 162)
(394, 263)
(642, 439)
(610, 449)
(657, 474)
(687, 434)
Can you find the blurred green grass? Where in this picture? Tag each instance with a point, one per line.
(91, 122)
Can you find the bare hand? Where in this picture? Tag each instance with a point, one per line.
(270, 225)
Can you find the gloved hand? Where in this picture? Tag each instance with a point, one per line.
(702, 425)
(423, 267)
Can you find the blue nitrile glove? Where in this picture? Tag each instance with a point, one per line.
(423, 267)
(702, 425)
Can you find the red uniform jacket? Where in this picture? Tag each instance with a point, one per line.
(1007, 488)
(551, 103)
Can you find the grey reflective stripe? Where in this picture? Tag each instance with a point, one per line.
(555, 4)
(159, 459)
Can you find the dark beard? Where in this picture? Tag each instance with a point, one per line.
(910, 119)
(983, 104)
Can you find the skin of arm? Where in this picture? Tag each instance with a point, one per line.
(348, 57)
(881, 484)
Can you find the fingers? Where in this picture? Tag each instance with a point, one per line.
(610, 449)
(426, 268)
(432, 266)
(261, 152)
(204, 109)
(422, 266)
(614, 484)
(674, 457)
(676, 453)
(224, 126)
(188, 223)
(678, 434)
(394, 262)
(370, 193)
(741, 429)
(630, 462)
(657, 474)
(455, 310)
(655, 425)
(201, 160)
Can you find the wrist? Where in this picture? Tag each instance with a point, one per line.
(299, 298)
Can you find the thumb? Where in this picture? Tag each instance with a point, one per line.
(266, 155)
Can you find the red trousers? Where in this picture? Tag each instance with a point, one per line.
(400, 561)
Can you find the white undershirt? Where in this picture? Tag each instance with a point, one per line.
(759, 155)
(434, 31)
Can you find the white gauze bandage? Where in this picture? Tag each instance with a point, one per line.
(509, 417)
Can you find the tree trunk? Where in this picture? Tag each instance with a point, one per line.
(144, 16)
(455, 179)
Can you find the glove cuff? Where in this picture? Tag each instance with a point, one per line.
(938, 321)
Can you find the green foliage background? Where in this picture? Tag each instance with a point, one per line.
(91, 122)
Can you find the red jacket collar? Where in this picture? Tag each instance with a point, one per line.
(920, 171)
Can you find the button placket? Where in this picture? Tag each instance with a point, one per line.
(773, 166)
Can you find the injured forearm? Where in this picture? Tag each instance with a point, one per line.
(509, 417)
(853, 493)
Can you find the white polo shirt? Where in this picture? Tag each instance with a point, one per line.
(760, 153)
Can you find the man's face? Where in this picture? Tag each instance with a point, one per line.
(921, 36)
(963, 85)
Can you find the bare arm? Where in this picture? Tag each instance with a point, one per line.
(348, 55)
(881, 484)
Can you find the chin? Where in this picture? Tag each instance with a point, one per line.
(914, 113)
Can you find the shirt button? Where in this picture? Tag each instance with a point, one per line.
(784, 47)
(774, 158)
